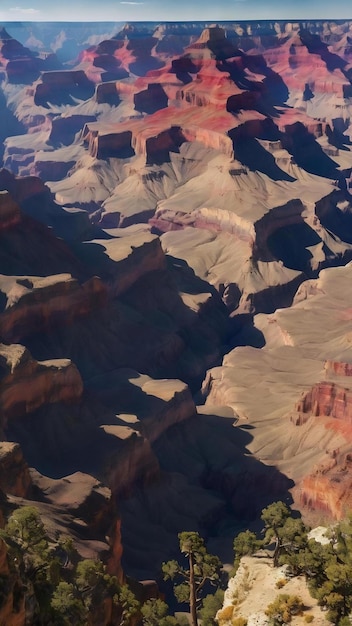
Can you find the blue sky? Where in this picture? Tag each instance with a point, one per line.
(180, 10)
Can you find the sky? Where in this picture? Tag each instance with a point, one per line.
(171, 10)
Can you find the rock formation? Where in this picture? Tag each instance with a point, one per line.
(164, 196)
(303, 387)
(14, 473)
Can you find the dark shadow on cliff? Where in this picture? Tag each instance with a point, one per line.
(186, 274)
(251, 153)
(290, 244)
(43, 256)
(271, 91)
(212, 457)
(151, 327)
(335, 219)
(316, 46)
(307, 152)
(64, 94)
(256, 158)
(337, 138)
(245, 333)
(60, 439)
(9, 125)
(183, 68)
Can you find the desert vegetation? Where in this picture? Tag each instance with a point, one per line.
(56, 586)
(53, 584)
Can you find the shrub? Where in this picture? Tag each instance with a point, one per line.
(281, 583)
(308, 618)
(239, 621)
(225, 613)
(281, 610)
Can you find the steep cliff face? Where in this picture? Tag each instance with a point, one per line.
(14, 473)
(9, 211)
(27, 384)
(304, 393)
(12, 611)
(327, 492)
(325, 398)
(125, 259)
(33, 302)
(61, 86)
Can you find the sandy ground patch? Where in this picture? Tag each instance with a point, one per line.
(254, 588)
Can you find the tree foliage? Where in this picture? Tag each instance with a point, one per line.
(189, 582)
(61, 589)
(287, 533)
(212, 603)
(245, 543)
(68, 609)
(155, 613)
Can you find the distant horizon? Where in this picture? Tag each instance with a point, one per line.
(178, 21)
(84, 11)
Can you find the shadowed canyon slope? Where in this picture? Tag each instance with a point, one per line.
(175, 209)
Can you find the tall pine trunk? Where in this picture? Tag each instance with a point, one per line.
(277, 552)
(192, 592)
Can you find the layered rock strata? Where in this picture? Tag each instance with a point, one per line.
(27, 384)
(301, 406)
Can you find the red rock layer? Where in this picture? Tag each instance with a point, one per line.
(339, 368)
(300, 68)
(325, 398)
(329, 488)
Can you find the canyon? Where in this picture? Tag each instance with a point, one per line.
(175, 262)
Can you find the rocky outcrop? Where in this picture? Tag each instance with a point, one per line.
(133, 465)
(126, 259)
(107, 93)
(51, 170)
(64, 129)
(33, 302)
(149, 406)
(151, 99)
(20, 188)
(338, 368)
(327, 490)
(27, 384)
(166, 131)
(303, 397)
(12, 610)
(325, 398)
(111, 144)
(9, 211)
(61, 86)
(83, 497)
(15, 478)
